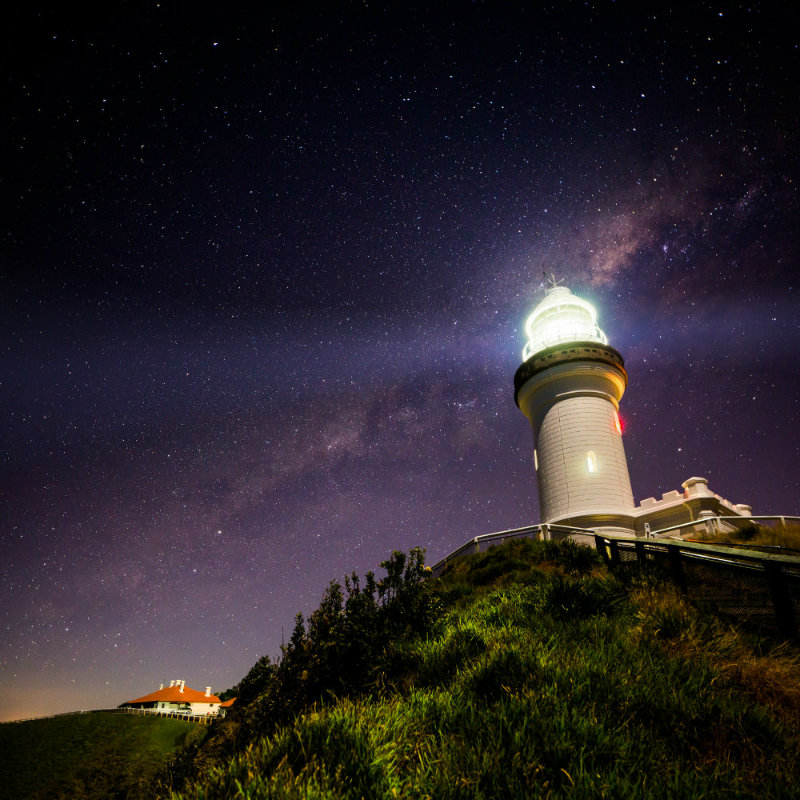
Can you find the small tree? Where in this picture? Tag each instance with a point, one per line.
(254, 683)
(405, 603)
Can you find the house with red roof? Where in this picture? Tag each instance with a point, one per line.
(180, 698)
(225, 706)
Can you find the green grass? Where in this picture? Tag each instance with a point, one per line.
(102, 755)
(526, 671)
(540, 675)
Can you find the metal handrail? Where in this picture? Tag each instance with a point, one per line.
(473, 545)
(709, 552)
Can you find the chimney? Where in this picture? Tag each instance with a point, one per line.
(171, 684)
(183, 683)
(208, 691)
(160, 686)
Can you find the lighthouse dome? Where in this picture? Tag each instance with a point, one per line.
(561, 317)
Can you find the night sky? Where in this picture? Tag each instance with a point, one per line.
(263, 284)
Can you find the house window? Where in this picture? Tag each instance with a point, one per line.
(591, 461)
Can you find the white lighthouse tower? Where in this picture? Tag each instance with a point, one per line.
(569, 387)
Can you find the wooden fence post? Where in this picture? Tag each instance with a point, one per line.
(676, 566)
(600, 545)
(781, 599)
(641, 555)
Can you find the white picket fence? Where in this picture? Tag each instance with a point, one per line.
(201, 719)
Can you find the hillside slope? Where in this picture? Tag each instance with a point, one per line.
(97, 755)
(528, 671)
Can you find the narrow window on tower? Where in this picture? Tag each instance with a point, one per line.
(617, 423)
(591, 461)
(535, 460)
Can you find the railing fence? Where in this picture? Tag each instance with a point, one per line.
(759, 590)
(478, 544)
(201, 719)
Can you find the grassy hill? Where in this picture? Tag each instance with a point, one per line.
(101, 755)
(528, 671)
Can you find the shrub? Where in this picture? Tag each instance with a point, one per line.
(571, 599)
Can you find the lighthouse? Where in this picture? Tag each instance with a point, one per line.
(569, 386)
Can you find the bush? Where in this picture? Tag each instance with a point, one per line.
(573, 599)
(341, 651)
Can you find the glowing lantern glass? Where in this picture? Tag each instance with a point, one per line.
(561, 317)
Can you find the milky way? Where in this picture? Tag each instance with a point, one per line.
(264, 282)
